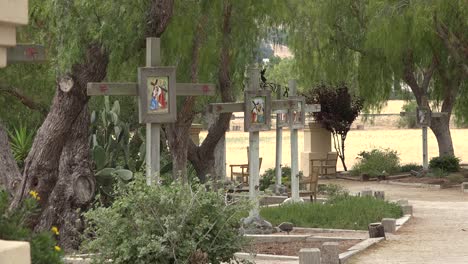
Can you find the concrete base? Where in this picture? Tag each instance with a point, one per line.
(14, 252)
(407, 209)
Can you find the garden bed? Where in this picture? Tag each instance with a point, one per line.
(347, 212)
(292, 248)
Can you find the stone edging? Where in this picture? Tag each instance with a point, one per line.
(410, 184)
(343, 256)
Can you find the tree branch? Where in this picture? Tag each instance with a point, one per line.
(25, 100)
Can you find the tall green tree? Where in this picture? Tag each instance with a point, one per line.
(375, 44)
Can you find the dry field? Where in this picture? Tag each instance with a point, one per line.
(408, 143)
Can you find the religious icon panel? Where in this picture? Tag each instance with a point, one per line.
(257, 116)
(157, 94)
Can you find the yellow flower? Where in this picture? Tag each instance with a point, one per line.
(35, 195)
(55, 230)
(57, 248)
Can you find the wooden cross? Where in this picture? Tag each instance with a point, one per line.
(149, 113)
(423, 119)
(24, 53)
(289, 105)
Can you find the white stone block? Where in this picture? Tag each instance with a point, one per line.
(389, 225)
(366, 193)
(14, 252)
(309, 256)
(330, 253)
(464, 186)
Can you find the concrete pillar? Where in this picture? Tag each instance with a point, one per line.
(195, 130)
(330, 253)
(317, 143)
(379, 195)
(12, 14)
(15, 252)
(309, 256)
(389, 225)
(402, 202)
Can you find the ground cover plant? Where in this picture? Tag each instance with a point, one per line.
(445, 163)
(165, 224)
(377, 162)
(14, 226)
(343, 212)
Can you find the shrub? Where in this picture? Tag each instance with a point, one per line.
(165, 224)
(269, 177)
(377, 162)
(332, 189)
(21, 140)
(409, 120)
(456, 178)
(13, 227)
(348, 212)
(410, 167)
(446, 163)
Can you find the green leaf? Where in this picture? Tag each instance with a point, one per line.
(123, 174)
(100, 157)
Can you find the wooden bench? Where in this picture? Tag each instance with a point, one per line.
(243, 175)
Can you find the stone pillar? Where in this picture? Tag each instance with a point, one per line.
(330, 253)
(389, 225)
(195, 130)
(317, 143)
(15, 252)
(12, 14)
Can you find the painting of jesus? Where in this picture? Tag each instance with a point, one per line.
(258, 110)
(158, 92)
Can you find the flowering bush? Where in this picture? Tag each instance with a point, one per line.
(13, 226)
(165, 224)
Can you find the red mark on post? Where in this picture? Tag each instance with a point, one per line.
(205, 89)
(103, 88)
(30, 52)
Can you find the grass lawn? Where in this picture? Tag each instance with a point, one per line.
(347, 212)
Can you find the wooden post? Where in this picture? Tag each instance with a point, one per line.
(294, 154)
(424, 145)
(153, 131)
(254, 142)
(376, 230)
(279, 146)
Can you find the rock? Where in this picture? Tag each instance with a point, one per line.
(286, 227)
(256, 225)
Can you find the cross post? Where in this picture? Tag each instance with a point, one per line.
(149, 77)
(294, 154)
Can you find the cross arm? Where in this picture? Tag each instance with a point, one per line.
(26, 53)
(131, 89)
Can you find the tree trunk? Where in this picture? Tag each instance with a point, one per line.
(56, 138)
(440, 128)
(10, 176)
(75, 187)
(202, 157)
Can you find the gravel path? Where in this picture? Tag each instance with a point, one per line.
(434, 235)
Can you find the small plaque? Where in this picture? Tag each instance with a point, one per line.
(423, 116)
(257, 115)
(157, 94)
(297, 112)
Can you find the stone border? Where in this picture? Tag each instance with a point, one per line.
(410, 184)
(359, 247)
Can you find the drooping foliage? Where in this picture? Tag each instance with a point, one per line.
(338, 111)
(378, 45)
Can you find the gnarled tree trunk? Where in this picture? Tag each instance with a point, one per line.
(75, 187)
(10, 176)
(202, 157)
(440, 128)
(63, 135)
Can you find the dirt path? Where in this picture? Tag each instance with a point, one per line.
(434, 235)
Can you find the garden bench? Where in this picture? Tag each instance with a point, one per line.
(243, 175)
(326, 167)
